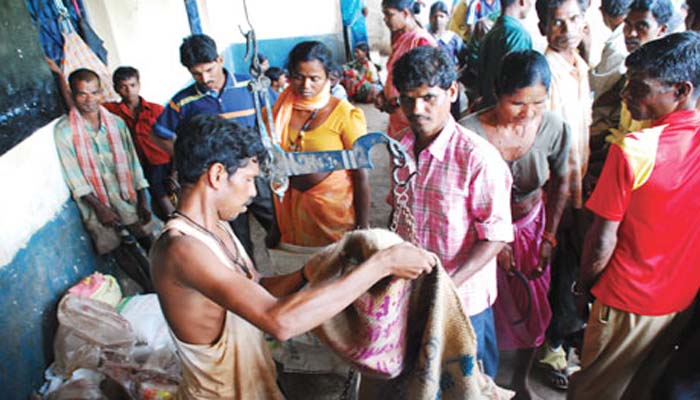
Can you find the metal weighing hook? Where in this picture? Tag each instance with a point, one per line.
(284, 164)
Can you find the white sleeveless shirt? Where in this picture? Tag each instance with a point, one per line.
(238, 365)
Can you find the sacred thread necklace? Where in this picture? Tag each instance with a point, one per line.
(235, 259)
(296, 144)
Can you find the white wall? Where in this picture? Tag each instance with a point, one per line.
(270, 18)
(145, 34)
(31, 173)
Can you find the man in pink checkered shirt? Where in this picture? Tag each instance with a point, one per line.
(460, 196)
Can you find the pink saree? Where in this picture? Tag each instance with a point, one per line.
(522, 318)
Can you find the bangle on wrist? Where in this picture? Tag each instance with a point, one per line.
(575, 291)
(548, 237)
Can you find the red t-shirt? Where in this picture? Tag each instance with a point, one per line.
(651, 183)
(141, 129)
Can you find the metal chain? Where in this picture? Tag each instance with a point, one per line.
(402, 194)
(347, 386)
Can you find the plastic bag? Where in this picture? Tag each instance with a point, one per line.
(147, 320)
(156, 391)
(98, 287)
(83, 384)
(157, 378)
(88, 331)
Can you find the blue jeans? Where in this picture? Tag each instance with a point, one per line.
(486, 344)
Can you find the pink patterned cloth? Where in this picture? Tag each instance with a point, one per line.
(460, 195)
(410, 339)
(77, 54)
(400, 45)
(512, 303)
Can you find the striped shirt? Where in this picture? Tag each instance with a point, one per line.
(79, 186)
(461, 195)
(234, 102)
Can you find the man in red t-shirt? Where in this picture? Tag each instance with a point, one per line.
(140, 115)
(641, 252)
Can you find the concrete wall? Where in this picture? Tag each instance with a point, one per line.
(44, 248)
(278, 25)
(148, 34)
(43, 251)
(145, 35)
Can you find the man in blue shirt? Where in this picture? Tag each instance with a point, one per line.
(219, 92)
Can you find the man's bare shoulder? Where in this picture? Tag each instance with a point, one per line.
(180, 258)
(171, 249)
(176, 256)
(181, 272)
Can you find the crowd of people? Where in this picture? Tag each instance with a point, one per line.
(560, 199)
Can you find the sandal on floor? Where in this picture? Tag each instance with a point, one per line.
(553, 365)
(556, 379)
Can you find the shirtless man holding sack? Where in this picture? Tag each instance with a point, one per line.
(216, 305)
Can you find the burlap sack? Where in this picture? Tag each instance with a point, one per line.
(410, 339)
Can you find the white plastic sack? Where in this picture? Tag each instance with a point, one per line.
(147, 320)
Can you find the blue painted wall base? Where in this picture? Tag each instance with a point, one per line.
(57, 257)
(277, 50)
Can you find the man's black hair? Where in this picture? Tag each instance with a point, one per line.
(439, 6)
(424, 65)
(274, 73)
(364, 47)
(661, 10)
(674, 58)
(411, 5)
(337, 71)
(309, 51)
(207, 139)
(694, 6)
(84, 75)
(197, 49)
(615, 8)
(123, 73)
(507, 4)
(544, 8)
(521, 69)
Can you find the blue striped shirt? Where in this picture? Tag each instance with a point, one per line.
(234, 102)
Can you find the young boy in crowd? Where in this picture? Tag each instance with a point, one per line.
(278, 82)
(264, 62)
(337, 90)
(140, 115)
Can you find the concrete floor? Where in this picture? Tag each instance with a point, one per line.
(330, 387)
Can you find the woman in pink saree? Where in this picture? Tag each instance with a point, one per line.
(535, 145)
(406, 33)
